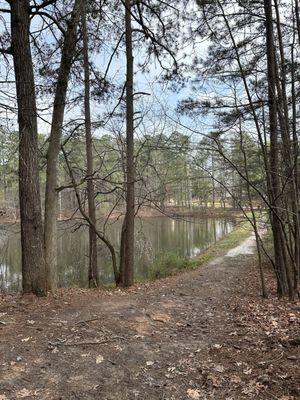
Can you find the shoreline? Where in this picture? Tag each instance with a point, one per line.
(149, 213)
(218, 249)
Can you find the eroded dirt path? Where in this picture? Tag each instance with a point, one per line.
(201, 335)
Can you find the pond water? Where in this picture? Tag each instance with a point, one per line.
(154, 237)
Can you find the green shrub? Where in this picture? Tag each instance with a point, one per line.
(167, 264)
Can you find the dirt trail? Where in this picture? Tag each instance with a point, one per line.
(186, 337)
(245, 248)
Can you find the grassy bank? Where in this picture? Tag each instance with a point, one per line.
(170, 263)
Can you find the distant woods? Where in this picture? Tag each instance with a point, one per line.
(86, 129)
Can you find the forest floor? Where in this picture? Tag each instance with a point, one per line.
(203, 334)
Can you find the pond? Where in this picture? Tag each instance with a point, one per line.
(185, 238)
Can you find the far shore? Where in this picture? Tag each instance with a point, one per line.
(146, 212)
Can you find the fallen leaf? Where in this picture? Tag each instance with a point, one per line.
(219, 368)
(217, 346)
(169, 376)
(55, 350)
(247, 371)
(215, 380)
(292, 317)
(99, 359)
(164, 318)
(24, 393)
(251, 389)
(193, 394)
(235, 379)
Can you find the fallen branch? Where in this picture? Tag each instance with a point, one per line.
(6, 323)
(55, 344)
(85, 321)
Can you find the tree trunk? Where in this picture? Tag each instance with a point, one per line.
(213, 181)
(127, 237)
(295, 150)
(33, 265)
(281, 259)
(254, 220)
(93, 270)
(291, 200)
(68, 53)
(297, 15)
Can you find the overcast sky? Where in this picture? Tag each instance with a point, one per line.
(159, 106)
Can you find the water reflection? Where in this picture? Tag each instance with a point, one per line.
(153, 236)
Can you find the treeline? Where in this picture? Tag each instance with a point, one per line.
(80, 69)
(172, 172)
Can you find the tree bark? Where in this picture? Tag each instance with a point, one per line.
(213, 181)
(291, 199)
(93, 269)
(33, 265)
(127, 236)
(295, 149)
(68, 53)
(281, 258)
(297, 15)
(254, 220)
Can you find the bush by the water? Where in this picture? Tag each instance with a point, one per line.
(167, 264)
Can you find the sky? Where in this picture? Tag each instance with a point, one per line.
(159, 106)
(162, 101)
